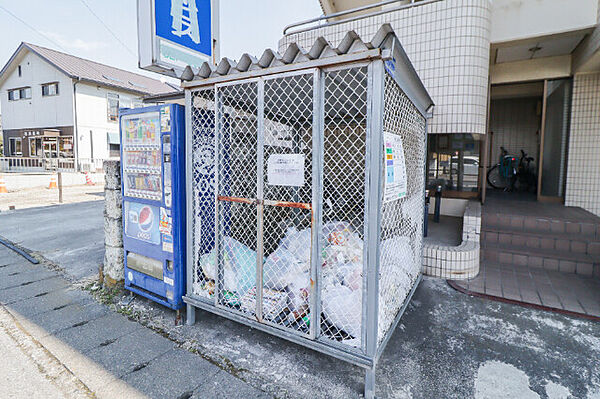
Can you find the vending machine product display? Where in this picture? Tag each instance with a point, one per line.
(153, 184)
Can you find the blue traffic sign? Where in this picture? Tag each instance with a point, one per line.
(186, 23)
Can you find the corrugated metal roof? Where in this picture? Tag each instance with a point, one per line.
(80, 68)
(296, 57)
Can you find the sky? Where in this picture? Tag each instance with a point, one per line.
(247, 26)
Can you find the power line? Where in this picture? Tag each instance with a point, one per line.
(32, 28)
(108, 29)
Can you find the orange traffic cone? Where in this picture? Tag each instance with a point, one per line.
(88, 180)
(53, 182)
(3, 189)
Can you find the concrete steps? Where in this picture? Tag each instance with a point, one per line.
(566, 242)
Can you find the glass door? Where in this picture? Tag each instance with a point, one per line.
(50, 148)
(554, 140)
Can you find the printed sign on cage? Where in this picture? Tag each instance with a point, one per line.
(286, 170)
(394, 168)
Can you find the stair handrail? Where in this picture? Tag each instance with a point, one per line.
(413, 3)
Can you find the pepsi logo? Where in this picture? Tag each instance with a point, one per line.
(146, 218)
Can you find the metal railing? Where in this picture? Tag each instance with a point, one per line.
(43, 165)
(330, 17)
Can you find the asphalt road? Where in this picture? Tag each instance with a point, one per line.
(71, 235)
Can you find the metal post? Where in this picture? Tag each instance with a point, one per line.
(60, 188)
(318, 130)
(370, 383)
(438, 204)
(190, 266)
(373, 221)
(260, 208)
(218, 241)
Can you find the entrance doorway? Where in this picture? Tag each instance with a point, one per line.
(527, 141)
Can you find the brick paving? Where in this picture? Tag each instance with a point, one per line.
(564, 291)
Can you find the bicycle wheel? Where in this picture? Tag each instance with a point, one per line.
(495, 179)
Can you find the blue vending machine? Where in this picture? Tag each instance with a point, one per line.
(153, 186)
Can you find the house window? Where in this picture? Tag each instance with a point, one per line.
(20, 71)
(113, 107)
(15, 146)
(114, 144)
(24, 93)
(65, 147)
(50, 89)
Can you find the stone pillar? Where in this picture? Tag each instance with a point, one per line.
(112, 271)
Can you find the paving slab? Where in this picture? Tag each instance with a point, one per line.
(21, 279)
(8, 256)
(10, 295)
(93, 375)
(130, 351)
(51, 301)
(565, 291)
(174, 374)
(66, 317)
(18, 266)
(98, 332)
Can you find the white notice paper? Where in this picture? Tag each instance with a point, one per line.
(394, 168)
(286, 170)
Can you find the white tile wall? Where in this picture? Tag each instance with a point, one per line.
(461, 262)
(583, 171)
(448, 42)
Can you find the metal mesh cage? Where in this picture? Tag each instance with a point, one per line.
(288, 187)
(401, 220)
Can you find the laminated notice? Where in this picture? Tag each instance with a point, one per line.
(395, 168)
(286, 170)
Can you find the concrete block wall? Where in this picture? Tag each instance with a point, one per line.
(460, 262)
(113, 268)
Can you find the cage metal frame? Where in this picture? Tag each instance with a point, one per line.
(374, 60)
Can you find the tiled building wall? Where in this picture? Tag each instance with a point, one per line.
(448, 42)
(515, 124)
(583, 171)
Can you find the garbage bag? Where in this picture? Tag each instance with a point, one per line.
(298, 242)
(208, 265)
(239, 265)
(243, 262)
(342, 307)
(280, 267)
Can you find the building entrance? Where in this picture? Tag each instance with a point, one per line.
(527, 141)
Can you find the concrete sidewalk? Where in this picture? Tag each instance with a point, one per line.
(109, 355)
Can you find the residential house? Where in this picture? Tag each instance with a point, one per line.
(56, 105)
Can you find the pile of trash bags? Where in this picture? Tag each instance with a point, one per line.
(287, 282)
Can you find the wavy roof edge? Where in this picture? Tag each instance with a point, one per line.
(295, 55)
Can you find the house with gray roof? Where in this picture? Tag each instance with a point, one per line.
(56, 105)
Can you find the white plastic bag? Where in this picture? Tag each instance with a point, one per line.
(280, 267)
(343, 308)
(298, 243)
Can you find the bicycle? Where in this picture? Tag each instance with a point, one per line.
(526, 177)
(502, 176)
(511, 170)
